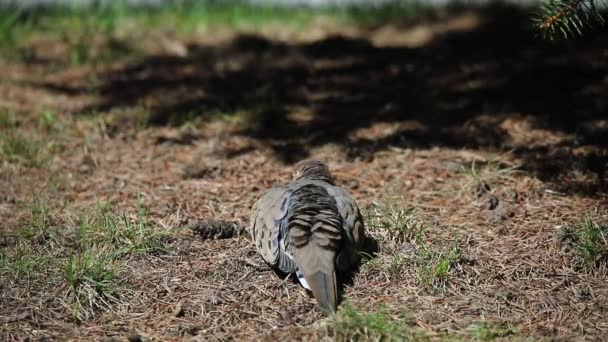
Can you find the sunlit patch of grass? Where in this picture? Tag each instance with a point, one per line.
(73, 26)
(25, 263)
(92, 281)
(481, 175)
(48, 122)
(397, 222)
(7, 119)
(22, 263)
(32, 148)
(104, 239)
(429, 266)
(434, 266)
(111, 30)
(85, 261)
(351, 324)
(408, 254)
(40, 227)
(391, 268)
(383, 13)
(105, 48)
(197, 15)
(121, 120)
(125, 235)
(15, 147)
(487, 331)
(15, 25)
(589, 238)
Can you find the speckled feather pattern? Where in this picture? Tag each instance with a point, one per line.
(310, 227)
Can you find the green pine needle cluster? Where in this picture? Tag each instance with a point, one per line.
(567, 18)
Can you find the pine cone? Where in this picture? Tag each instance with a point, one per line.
(217, 229)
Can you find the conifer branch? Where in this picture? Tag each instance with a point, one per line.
(568, 17)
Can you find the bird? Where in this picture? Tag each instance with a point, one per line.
(311, 228)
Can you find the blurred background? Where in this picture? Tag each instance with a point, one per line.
(299, 74)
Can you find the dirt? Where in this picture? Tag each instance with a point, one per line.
(495, 138)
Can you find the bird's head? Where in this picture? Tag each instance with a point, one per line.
(314, 170)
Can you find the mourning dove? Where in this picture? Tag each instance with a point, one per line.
(312, 228)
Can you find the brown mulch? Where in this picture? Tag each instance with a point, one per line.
(200, 180)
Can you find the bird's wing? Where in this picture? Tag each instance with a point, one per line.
(352, 223)
(268, 228)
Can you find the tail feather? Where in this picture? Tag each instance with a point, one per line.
(318, 268)
(324, 288)
(315, 229)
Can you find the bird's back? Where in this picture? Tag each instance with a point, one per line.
(309, 227)
(316, 237)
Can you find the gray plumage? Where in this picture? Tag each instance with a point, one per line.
(310, 227)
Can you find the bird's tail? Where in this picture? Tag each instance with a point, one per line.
(314, 226)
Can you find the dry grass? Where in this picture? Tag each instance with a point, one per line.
(96, 200)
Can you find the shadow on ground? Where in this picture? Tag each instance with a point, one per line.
(454, 91)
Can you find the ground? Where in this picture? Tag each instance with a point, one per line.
(476, 152)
